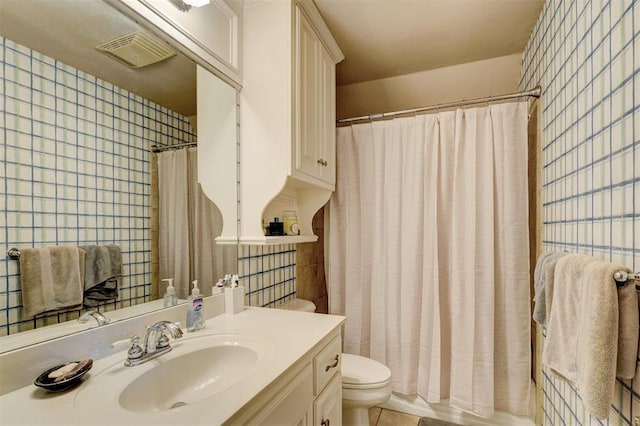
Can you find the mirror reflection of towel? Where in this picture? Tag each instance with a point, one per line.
(103, 269)
(51, 279)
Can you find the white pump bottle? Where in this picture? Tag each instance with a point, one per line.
(170, 298)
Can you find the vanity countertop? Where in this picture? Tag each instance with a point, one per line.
(289, 336)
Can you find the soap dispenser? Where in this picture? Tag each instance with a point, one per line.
(234, 297)
(195, 318)
(170, 298)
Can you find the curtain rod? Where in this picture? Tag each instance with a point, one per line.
(535, 93)
(156, 148)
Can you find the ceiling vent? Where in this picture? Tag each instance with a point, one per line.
(136, 50)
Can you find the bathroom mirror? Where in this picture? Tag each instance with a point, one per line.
(77, 136)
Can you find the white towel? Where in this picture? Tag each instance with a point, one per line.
(51, 279)
(539, 282)
(583, 327)
(549, 273)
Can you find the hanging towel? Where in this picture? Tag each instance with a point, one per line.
(51, 279)
(539, 282)
(103, 268)
(549, 273)
(628, 327)
(583, 327)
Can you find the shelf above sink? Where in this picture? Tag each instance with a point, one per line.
(285, 239)
(269, 240)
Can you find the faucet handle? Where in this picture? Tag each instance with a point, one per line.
(135, 351)
(163, 341)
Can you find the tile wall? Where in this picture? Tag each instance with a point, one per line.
(74, 170)
(586, 56)
(268, 274)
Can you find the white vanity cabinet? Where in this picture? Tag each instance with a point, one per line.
(309, 393)
(287, 150)
(295, 379)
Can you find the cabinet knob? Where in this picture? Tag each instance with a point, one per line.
(322, 162)
(325, 422)
(334, 365)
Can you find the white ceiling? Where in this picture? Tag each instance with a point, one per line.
(380, 38)
(69, 30)
(385, 38)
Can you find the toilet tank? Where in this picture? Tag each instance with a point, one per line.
(298, 305)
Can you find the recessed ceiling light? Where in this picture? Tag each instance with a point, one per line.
(185, 5)
(197, 3)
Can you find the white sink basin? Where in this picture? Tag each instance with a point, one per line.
(196, 369)
(188, 378)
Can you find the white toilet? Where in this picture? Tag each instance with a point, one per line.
(365, 382)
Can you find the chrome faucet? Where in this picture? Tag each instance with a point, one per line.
(155, 343)
(100, 319)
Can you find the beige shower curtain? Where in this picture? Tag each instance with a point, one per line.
(189, 223)
(429, 253)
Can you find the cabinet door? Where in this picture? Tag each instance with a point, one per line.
(327, 409)
(327, 117)
(292, 406)
(306, 105)
(306, 418)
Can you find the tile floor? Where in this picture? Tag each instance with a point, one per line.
(383, 417)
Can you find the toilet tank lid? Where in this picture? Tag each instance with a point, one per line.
(358, 370)
(298, 305)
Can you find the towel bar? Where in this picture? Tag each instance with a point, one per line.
(13, 253)
(622, 276)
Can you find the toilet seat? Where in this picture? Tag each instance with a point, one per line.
(363, 373)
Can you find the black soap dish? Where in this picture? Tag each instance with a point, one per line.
(65, 381)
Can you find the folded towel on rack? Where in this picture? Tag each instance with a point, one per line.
(539, 283)
(583, 329)
(628, 330)
(51, 279)
(103, 268)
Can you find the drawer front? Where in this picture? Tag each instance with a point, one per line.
(327, 363)
(327, 409)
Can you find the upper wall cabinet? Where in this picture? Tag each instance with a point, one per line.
(211, 34)
(287, 156)
(314, 108)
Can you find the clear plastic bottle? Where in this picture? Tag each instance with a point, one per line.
(195, 317)
(170, 298)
